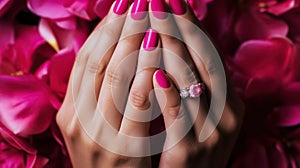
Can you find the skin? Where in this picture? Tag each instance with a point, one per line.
(98, 80)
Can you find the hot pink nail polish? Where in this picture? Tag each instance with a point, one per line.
(159, 9)
(139, 9)
(162, 79)
(150, 40)
(120, 6)
(178, 7)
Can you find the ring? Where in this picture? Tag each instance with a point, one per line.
(194, 91)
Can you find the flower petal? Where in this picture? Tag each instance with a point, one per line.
(82, 8)
(60, 69)
(102, 7)
(53, 9)
(255, 25)
(25, 107)
(271, 58)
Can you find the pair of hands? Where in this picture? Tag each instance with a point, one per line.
(115, 83)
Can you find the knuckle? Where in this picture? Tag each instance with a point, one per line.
(211, 142)
(118, 160)
(96, 68)
(72, 130)
(173, 111)
(139, 99)
(114, 77)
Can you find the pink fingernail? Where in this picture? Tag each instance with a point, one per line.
(178, 7)
(162, 79)
(120, 6)
(159, 9)
(150, 40)
(139, 9)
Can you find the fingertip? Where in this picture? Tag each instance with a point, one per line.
(161, 79)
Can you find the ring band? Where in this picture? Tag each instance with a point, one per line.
(194, 91)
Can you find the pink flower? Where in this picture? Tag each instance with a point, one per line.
(25, 106)
(276, 7)
(4, 6)
(199, 7)
(17, 152)
(60, 38)
(253, 24)
(265, 73)
(67, 10)
(274, 58)
(16, 57)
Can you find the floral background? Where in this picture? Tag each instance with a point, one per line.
(259, 41)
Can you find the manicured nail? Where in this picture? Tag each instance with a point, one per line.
(178, 7)
(150, 40)
(120, 6)
(139, 9)
(162, 79)
(159, 8)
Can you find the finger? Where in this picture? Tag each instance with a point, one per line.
(120, 70)
(176, 119)
(210, 67)
(180, 66)
(93, 57)
(138, 109)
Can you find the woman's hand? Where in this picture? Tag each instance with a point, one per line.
(95, 131)
(189, 58)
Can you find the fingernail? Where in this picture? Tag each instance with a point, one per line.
(120, 6)
(139, 9)
(162, 79)
(159, 9)
(150, 40)
(178, 7)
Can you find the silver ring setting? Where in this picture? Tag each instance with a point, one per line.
(194, 91)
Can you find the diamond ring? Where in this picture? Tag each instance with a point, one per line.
(194, 91)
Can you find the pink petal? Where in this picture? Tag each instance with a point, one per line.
(82, 8)
(69, 23)
(17, 152)
(278, 8)
(199, 7)
(53, 9)
(212, 23)
(7, 35)
(63, 38)
(4, 6)
(25, 108)
(277, 155)
(60, 69)
(31, 36)
(102, 7)
(287, 116)
(42, 71)
(255, 25)
(271, 58)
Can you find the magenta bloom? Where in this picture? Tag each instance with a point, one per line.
(19, 110)
(199, 7)
(17, 152)
(67, 10)
(265, 73)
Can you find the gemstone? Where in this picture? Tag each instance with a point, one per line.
(184, 93)
(195, 90)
